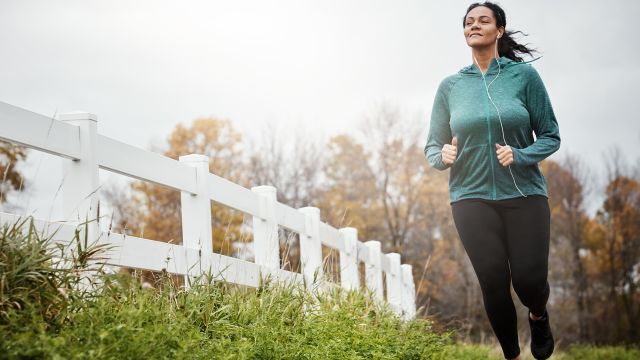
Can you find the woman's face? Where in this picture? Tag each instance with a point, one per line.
(480, 27)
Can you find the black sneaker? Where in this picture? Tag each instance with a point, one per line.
(541, 337)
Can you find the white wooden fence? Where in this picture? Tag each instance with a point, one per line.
(74, 137)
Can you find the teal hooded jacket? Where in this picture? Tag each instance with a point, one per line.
(463, 109)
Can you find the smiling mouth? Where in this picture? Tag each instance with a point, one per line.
(472, 35)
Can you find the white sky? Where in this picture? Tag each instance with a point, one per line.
(142, 66)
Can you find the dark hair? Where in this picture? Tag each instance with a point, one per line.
(507, 46)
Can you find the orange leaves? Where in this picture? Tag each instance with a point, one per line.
(157, 209)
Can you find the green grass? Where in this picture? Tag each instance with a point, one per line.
(603, 352)
(575, 352)
(52, 312)
(471, 352)
(49, 309)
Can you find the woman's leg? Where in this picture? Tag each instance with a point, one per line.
(527, 222)
(481, 231)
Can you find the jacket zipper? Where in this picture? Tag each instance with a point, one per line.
(493, 172)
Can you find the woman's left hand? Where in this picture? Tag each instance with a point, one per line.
(505, 154)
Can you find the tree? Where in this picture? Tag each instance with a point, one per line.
(566, 183)
(292, 163)
(403, 179)
(621, 215)
(379, 182)
(349, 196)
(156, 208)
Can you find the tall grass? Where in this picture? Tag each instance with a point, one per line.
(50, 311)
(28, 279)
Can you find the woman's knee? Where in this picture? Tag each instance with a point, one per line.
(529, 284)
(495, 284)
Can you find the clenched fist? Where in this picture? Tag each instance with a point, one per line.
(450, 151)
(505, 154)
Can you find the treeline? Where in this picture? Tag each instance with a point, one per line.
(595, 259)
(377, 180)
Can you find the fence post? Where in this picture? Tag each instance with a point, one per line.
(409, 292)
(394, 283)
(311, 247)
(81, 183)
(266, 244)
(196, 215)
(349, 275)
(373, 269)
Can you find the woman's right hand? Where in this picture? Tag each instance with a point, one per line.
(450, 151)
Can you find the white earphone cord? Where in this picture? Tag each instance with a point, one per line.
(484, 80)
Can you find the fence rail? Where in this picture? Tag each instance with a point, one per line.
(74, 137)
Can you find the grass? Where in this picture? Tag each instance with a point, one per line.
(603, 352)
(50, 311)
(56, 303)
(574, 352)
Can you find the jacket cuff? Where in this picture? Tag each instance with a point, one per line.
(437, 163)
(518, 157)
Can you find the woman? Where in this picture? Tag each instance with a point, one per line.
(482, 127)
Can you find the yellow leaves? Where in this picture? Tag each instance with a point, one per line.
(214, 138)
(594, 234)
(158, 208)
(620, 217)
(350, 191)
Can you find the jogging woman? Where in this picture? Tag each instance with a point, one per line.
(482, 127)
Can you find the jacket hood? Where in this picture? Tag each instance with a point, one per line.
(505, 63)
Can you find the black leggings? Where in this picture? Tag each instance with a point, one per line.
(507, 241)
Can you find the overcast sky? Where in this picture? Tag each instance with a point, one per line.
(143, 66)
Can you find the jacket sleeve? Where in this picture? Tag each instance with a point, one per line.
(439, 128)
(543, 122)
